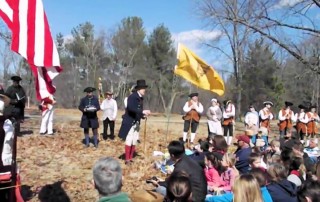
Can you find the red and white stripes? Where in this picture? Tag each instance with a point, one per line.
(31, 38)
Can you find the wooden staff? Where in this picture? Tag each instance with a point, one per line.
(101, 98)
(144, 136)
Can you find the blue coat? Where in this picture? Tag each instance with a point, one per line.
(89, 119)
(242, 163)
(228, 197)
(133, 114)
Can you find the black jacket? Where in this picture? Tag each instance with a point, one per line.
(196, 175)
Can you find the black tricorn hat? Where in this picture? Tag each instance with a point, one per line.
(193, 94)
(141, 84)
(16, 78)
(288, 104)
(313, 106)
(89, 89)
(301, 107)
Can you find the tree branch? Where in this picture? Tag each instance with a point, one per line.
(291, 26)
(287, 48)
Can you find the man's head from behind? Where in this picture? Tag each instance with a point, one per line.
(176, 150)
(107, 176)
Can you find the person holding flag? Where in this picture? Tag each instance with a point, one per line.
(193, 109)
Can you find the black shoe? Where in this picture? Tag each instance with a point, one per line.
(43, 133)
(111, 137)
(138, 141)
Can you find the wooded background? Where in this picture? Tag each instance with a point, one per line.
(268, 56)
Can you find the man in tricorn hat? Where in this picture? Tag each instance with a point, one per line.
(314, 119)
(229, 112)
(193, 109)
(129, 130)
(286, 118)
(17, 97)
(89, 105)
(302, 120)
(110, 109)
(266, 115)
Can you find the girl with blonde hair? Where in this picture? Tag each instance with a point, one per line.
(246, 189)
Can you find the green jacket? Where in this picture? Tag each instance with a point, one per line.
(121, 197)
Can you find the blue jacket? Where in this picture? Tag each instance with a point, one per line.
(229, 197)
(89, 119)
(132, 115)
(283, 191)
(242, 163)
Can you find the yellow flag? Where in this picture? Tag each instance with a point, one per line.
(195, 70)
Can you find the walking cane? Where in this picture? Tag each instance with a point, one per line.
(144, 136)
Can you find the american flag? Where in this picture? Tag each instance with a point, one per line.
(31, 38)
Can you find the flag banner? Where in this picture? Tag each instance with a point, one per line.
(193, 69)
(31, 38)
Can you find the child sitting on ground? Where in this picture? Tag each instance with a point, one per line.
(228, 176)
(213, 170)
(256, 161)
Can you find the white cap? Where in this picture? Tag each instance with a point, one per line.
(214, 100)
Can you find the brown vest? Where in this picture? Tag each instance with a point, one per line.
(301, 127)
(311, 125)
(192, 114)
(265, 123)
(287, 123)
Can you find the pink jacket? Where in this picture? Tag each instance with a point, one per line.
(227, 178)
(213, 177)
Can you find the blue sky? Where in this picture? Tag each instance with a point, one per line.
(177, 15)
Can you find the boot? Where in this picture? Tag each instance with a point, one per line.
(86, 138)
(133, 149)
(95, 141)
(127, 153)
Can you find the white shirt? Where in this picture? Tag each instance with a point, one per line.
(282, 117)
(229, 111)
(251, 118)
(125, 101)
(198, 107)
(263, 113)
(109, 108)
(302, 117)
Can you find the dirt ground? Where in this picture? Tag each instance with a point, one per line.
(48, 159)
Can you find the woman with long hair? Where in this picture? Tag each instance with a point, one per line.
(246, 189)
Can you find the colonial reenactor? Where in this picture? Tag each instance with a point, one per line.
(193, 109)
(110, 109)
(17, 97)
(286, 119)
(313, 118)
(229, 112)
(89, 105)
(214, 115)
(46, 108)
(302, 120)
(130, 127)
(266, 115)
(251, 122)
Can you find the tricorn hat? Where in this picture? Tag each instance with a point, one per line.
(89, 89)
(16, 78)
(301, 107)
(193, 94)
(141, 84)
(268, 103)
(288, 104)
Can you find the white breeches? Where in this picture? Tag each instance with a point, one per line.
(47, 121)
(133, 135)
